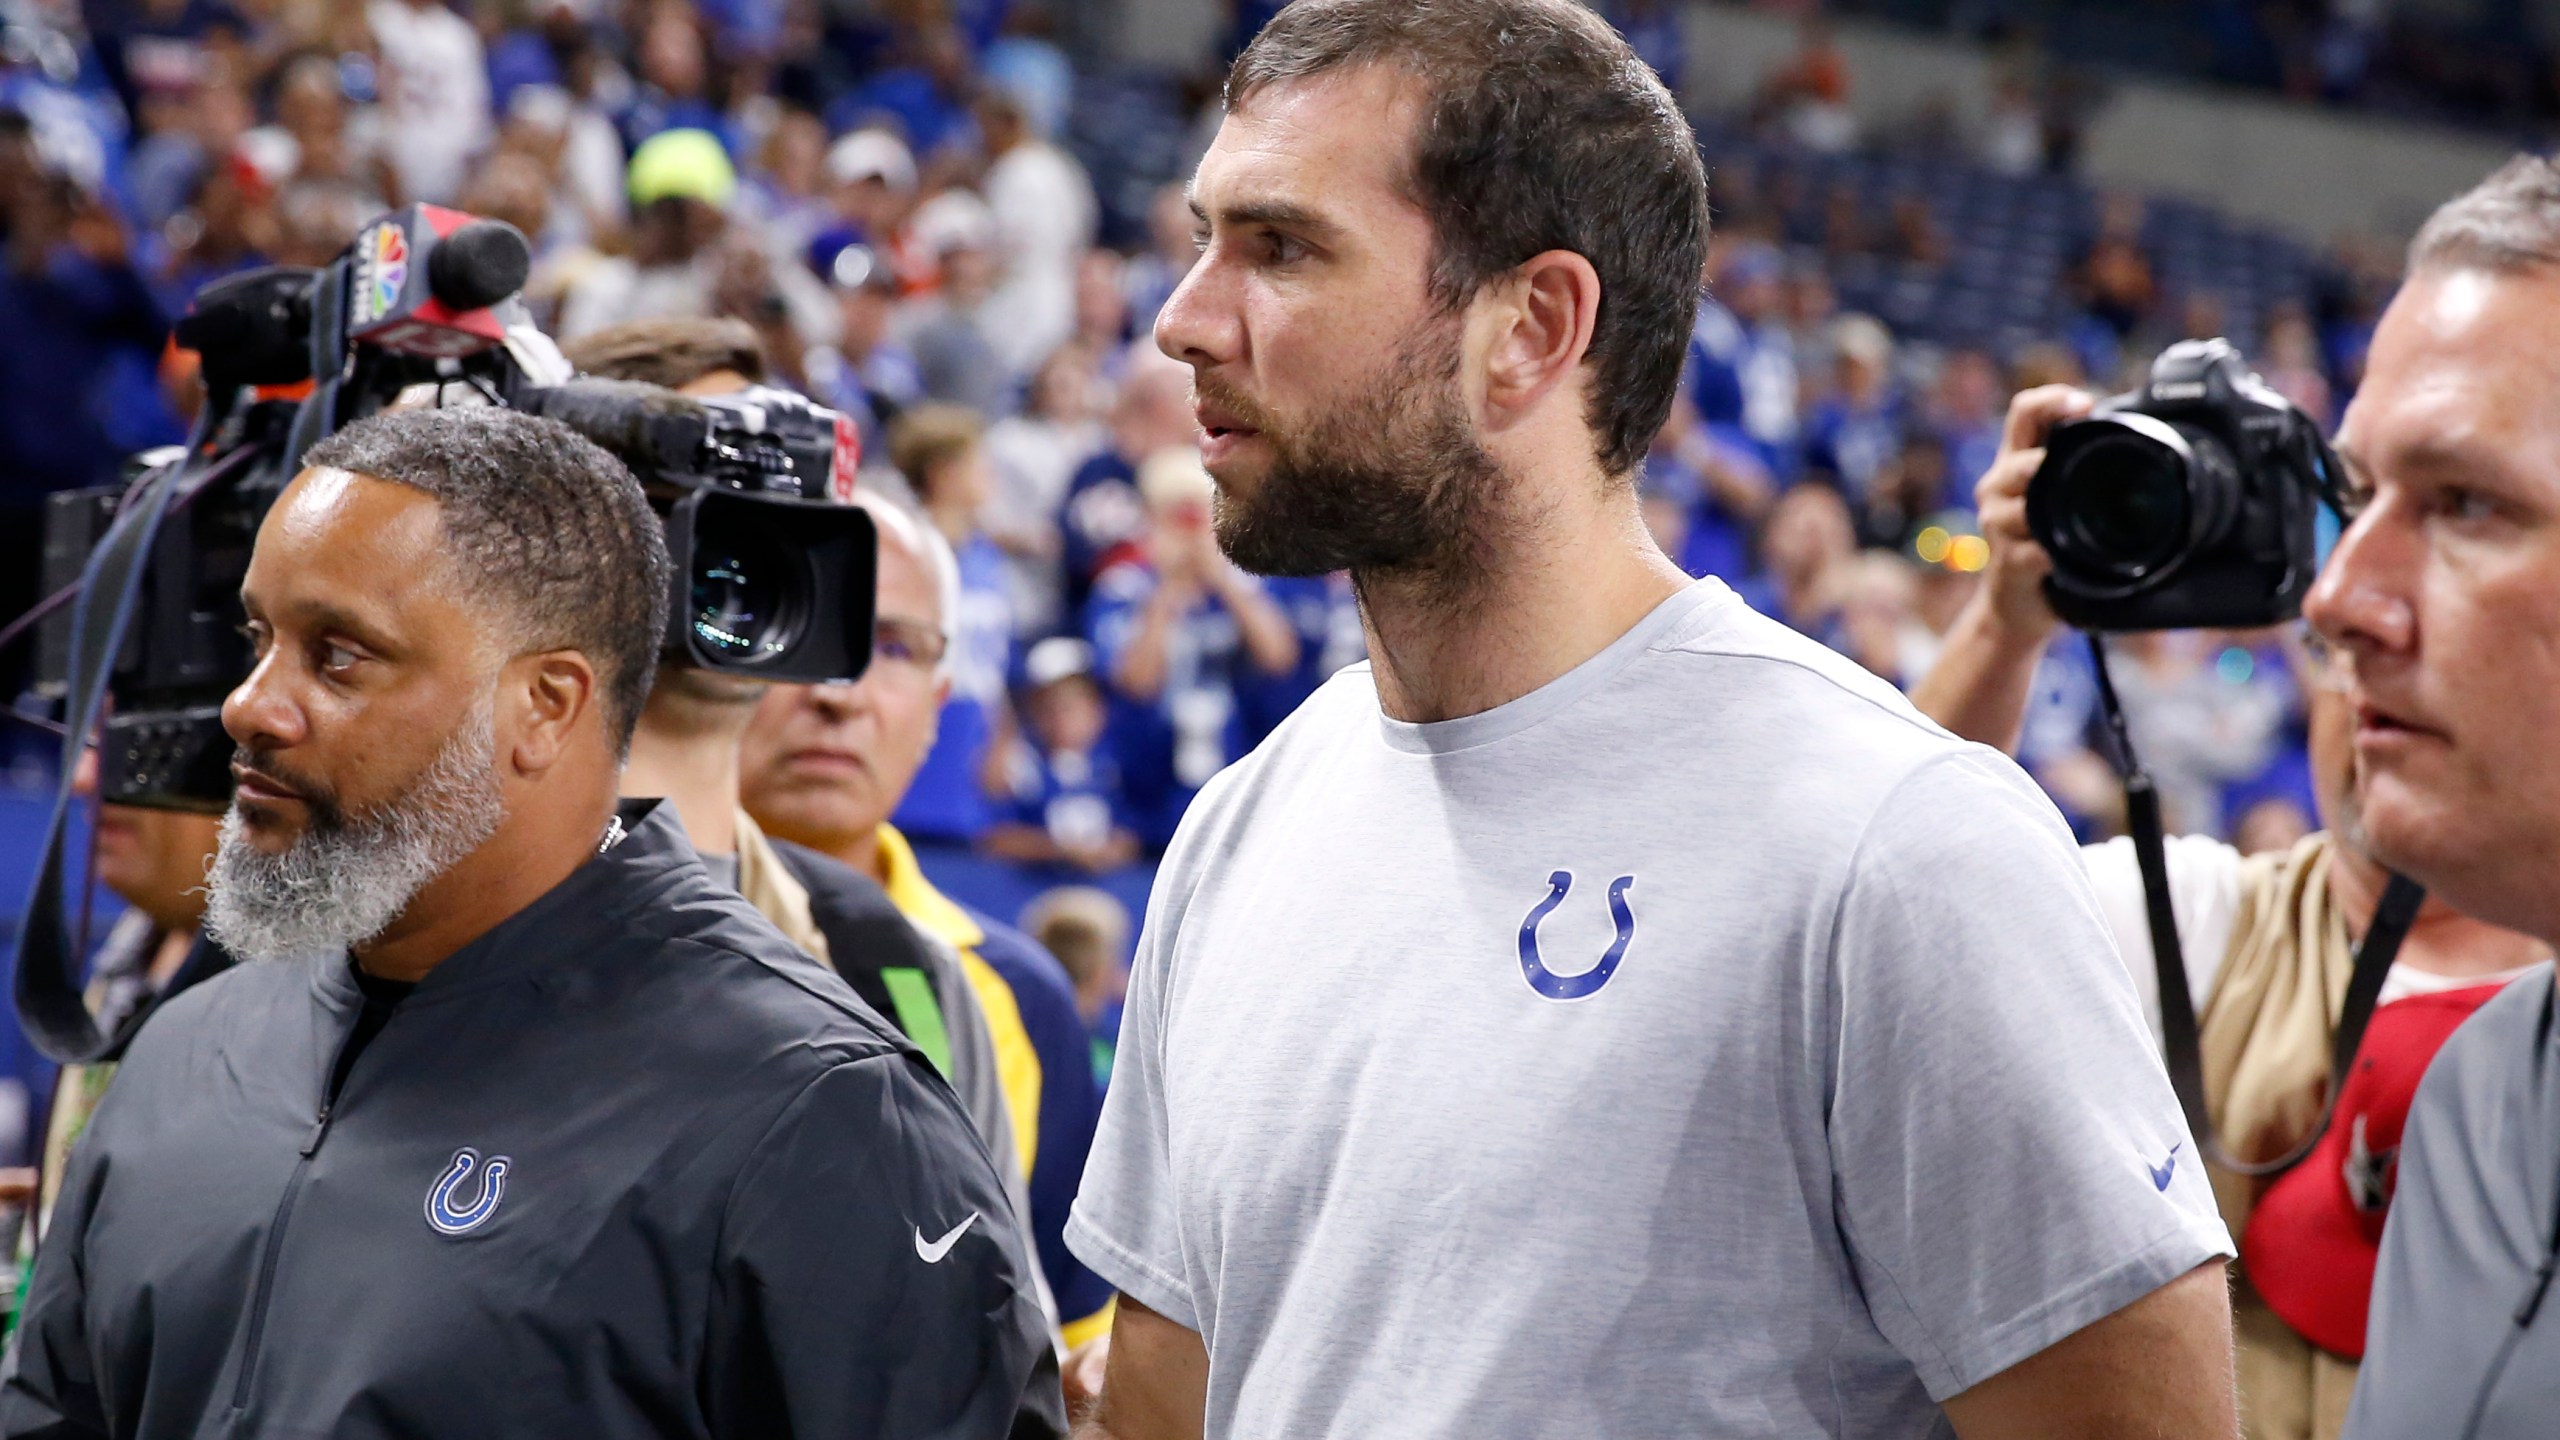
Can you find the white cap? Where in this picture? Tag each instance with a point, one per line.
(954, 220)
(1057, 658)
(873, 155)
(1863, 338)
(543, 106)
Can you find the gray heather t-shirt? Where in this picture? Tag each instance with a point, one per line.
(1703, 1044)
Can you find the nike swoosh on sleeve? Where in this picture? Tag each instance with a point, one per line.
(931, 1252)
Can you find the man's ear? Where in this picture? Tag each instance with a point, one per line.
(551, 694)
(1542, 316)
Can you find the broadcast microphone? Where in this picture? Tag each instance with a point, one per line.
(479, 265)
(422, 280)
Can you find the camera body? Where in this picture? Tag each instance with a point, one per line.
(773, 573)
(2189, 503)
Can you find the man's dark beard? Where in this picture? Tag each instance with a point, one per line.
(1390, 482)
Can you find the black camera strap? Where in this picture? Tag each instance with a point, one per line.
(2181, 1045)
(48, 984)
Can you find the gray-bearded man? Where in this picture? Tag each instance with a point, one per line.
(555, 1135)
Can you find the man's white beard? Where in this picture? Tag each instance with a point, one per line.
(344, 881)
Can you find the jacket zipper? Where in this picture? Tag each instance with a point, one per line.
(265, 1292)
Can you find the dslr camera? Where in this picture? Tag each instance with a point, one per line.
(2189, 503)
(773, 578)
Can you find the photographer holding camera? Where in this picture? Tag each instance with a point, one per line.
(2269, 943)
(516, 1123)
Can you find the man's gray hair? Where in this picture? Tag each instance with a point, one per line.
(2510, 221)
(900, 525)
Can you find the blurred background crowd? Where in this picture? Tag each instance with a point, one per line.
(955, 220)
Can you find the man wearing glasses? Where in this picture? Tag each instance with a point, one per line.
(826, 765)
(2269, 942)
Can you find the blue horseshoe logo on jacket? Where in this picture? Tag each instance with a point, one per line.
(442, 1212)
(1575, 987)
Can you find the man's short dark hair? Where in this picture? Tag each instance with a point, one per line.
(1541, 130)
(673, 353)
(540, 519)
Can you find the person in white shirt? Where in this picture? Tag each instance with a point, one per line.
(1606, 1012)
(1044, 219)
(435, 95)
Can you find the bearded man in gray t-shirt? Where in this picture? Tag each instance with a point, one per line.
(1605, 1014)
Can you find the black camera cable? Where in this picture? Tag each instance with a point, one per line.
(51, 1006)
(2181, 1047)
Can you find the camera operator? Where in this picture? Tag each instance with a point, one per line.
(155, 861)
(546, 1133)
(2444, 597)
(2269, 943)
(827, 765)
(686, 749)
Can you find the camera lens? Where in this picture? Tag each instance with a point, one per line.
(749, 595)
(2124, 505)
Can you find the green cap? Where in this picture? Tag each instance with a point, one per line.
(682, 165)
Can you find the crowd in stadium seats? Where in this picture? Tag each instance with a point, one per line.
(943, 226)
(2489, 63)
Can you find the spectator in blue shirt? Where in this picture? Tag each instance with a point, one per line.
(1855, 433)
(937, 449)
(1066, 808)
(1706, 491)
(867, 373)
(871, 179)
(82, 333)
(1102, 514)
(1326, 616)
(926, 95)
(1965, 412)
(1742, 367)
(676, 90)
(1179, 631)
(1088, 930)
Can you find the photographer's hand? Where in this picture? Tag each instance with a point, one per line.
(1978, 688)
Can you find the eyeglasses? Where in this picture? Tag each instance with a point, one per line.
(906, 643)
(2323, 667)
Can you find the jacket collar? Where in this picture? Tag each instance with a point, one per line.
(653, 865)
(929, 909)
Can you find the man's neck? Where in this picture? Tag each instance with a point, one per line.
(687, 751)
(2443, 940)
(862, 852)
(542, 843)
(1566, 583)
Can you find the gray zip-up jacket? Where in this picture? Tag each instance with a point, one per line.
(2464, 1341)
(627, 1165)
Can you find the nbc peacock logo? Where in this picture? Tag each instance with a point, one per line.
(382, 269)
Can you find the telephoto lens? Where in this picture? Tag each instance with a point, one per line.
(750, 594)
(2185, 504)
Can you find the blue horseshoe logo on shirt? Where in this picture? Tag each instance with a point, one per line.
(1575, 987)
(441, 1211)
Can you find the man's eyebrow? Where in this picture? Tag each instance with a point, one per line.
(322, 615)
(1279, 214)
